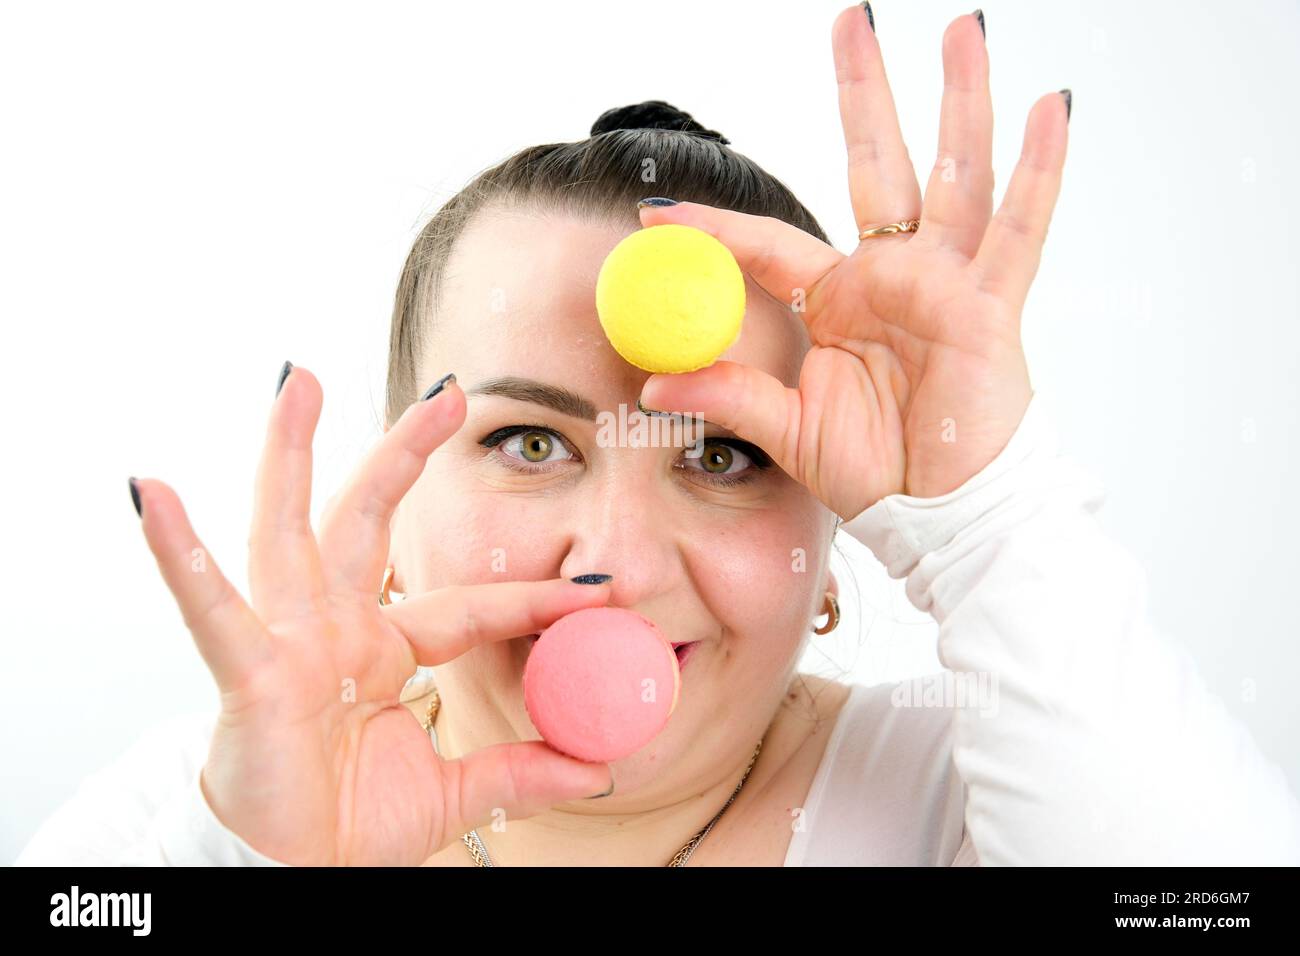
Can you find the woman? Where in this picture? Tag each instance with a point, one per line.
(886, 389)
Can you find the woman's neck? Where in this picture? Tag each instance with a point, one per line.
(597, 833)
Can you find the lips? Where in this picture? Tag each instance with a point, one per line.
(683, 649)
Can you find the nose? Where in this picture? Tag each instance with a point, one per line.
(624, 527)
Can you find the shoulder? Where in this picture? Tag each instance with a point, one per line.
(821, 697)
(887, 791)
(115, 804)
(164, 752)
(908, 720)
(894, 736)
(912, 712)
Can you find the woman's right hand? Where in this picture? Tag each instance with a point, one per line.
(314, 760)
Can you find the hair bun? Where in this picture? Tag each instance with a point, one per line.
(652, 114)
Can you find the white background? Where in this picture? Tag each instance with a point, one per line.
(190, 194)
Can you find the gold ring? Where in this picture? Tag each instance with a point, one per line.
(889, 229)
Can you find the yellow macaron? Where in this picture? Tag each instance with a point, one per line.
(670, 298)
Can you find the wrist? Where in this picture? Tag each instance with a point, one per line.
(900, 529)
(959, 449)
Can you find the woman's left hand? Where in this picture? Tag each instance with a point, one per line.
(916, 377)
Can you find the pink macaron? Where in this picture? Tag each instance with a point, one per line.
(600, 683)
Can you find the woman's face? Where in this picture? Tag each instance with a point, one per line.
(713, 549)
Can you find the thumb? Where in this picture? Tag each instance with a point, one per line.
(750, 402)
(517, 779)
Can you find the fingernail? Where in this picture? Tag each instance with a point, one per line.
(135, 496)
(1069, 99)
(284, 373)
(871, 17)
(592, 578)
(979, 15)
(607, 792)
(438, 386)
(656, 201)
(650, 411)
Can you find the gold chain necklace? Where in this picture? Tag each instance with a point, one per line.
(474, 843)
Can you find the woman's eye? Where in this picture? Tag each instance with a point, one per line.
(718, 458)
(723, 460)
(532, 446)
(719, 461)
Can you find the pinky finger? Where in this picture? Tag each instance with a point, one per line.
(1012, 246)
(230, 637)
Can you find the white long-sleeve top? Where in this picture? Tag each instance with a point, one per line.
(1064, 729)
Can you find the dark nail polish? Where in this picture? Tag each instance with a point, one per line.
(135, 496)
(1069, 100)
(438, 386)
(656, 201)
(607, 792)
(650, 411)
(592, 578)
(284, 373)
(871, 17)
(979, 15)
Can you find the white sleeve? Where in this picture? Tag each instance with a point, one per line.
(1103, 744)
(966, 855)
(144, 809)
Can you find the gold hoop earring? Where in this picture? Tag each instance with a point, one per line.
(832, 615)
(384, 597)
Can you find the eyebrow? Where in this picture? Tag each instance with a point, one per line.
(538, 393)
(555, 397)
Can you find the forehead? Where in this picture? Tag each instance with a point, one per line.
(519, 298)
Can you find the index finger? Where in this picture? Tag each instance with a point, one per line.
(781, 258)
(442, 625)
(354, 533)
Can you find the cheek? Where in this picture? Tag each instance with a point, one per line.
(456, 537)
(758, 577)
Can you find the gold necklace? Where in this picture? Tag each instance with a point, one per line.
(474, 843)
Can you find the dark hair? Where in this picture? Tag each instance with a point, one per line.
(599, 178)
